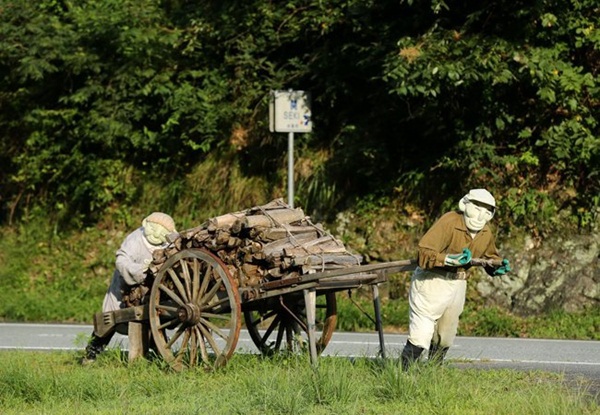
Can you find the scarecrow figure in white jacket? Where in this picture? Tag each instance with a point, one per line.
(131, 266)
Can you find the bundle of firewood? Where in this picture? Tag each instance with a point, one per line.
(265, 243)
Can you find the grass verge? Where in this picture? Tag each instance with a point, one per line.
(54, 383)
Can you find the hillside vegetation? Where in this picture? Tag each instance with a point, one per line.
(413, 102)
(112, 109)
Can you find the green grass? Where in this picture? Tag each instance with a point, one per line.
(54, 383)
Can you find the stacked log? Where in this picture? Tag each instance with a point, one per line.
(264, 243)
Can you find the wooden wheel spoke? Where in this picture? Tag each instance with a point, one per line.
(193, 347)
(267, 315)
(274, 324)
(205, 280)
(263, 317)
(172, 295)
(224, 317)
(167, 323)
(184, 346)
(177, 282)
(178, 332)
(195, 280)
(210, 339)
(203, 351)
(212, 306)
(214, 328)
(167, 308)
(210, 294)
(185, 271)
(280, 333)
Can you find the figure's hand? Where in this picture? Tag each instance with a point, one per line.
(458, 260)
(502, 269)
(147, 263)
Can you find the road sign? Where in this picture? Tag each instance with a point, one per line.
(289, 112)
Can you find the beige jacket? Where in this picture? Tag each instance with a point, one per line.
(449, 235)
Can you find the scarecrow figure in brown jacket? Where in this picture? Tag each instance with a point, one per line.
(438, 285)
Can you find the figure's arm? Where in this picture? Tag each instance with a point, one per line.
(130, 262)
(433, 245)
(491, 253)
(132, 272)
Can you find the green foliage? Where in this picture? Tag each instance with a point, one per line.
(561, 324)
(414, 101)
(479, 320)
(63, 280)
(520, 115)
(103, 92)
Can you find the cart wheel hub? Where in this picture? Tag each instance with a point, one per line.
(189, 313)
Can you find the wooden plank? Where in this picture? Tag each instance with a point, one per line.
(323, 259)
(310, 303)
(268, 234)
(223, 221)
(273, 218)
(384, 268)
(137, 333)
(277, 247)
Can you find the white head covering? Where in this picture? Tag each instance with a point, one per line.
(157, 226)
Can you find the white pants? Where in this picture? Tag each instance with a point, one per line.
(435, 307)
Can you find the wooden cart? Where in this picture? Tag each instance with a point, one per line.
(193, 312)
(193, 307)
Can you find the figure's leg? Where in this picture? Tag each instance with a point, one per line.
(447, 325)
(437, 353)
(410, 354)
(428, 297)
(95, 346)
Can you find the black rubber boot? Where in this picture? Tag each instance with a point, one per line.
(437, 353)
(410, 354)
(95, 346)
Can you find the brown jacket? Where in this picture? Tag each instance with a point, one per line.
(449, 235)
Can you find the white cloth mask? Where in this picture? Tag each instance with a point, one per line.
(155, 233)
(477, 215)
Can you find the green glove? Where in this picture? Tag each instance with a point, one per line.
(457, 260)
(502, 269)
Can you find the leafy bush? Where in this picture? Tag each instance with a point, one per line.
(412, 101)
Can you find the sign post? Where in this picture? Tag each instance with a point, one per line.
(289, 112)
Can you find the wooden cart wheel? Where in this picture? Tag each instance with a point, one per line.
(195, 311)
(279, 324)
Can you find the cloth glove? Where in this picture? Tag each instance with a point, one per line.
(458, 260)
(502, 269)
